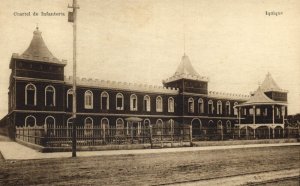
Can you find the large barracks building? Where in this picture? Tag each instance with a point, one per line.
(40, 95)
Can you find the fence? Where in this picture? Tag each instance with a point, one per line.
(61, 136)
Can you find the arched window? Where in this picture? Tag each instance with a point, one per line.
(49, 96)
(30, 94)
(69, 127)
(210, 107)
(228, 126)
(191, 105)
(200, 106)
(30, 121)
(105, 125)
(147, 123)
(146, 105)
(171, 104)
(88, 126)
(159, 106)
(169, 128)
(227, 108)
(158, 128)
(119, 101)
(88, 99)
(219, 107)
(235, 110)
(133, 102)
(50, 125)
(70, 98)
(119, 127)
(104, 101)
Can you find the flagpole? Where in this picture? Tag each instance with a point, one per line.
(73, 18)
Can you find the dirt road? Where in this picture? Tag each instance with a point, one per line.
(148, 169)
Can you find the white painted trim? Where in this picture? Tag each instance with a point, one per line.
(85, 99)
(120, 96)
(172, 107)
(30, 116)
(159, 106)
(35, 90)
(107, 101)
(54, 95)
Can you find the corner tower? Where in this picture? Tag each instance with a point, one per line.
(37, 61)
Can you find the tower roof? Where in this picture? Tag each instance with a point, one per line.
(185, 67)
(38, 51)
(185, 70)
(260, 98)
(270, 85)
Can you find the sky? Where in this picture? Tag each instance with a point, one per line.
(232, 42)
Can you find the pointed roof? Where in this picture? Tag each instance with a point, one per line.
(185, 70)
(260, 98)
(38, 51)
(185, 67)
(270, 85)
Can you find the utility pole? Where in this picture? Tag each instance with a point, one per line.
(72, 17)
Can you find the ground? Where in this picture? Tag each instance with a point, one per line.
(150, 169)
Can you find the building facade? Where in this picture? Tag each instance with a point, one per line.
(40, 95)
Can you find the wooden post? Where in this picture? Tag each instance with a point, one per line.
(151, 136)
(191, 136)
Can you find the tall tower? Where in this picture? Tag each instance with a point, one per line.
(36, 83)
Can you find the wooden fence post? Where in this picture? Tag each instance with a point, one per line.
(191, 135)
(151, 137)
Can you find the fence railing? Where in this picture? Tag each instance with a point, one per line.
(61, 136)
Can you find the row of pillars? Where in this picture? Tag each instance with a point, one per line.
(273, 133)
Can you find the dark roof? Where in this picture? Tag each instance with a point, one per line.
(38, 51)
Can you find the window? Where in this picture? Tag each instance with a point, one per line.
(119, 127)
(245, 111)
(69, 127)
(88, 126)
(104, 101)
(133, 102)
(70, 98)
(158, 128)
(30, 94)
(265, 113)
(235, 109)
(50, 125)
(119, 101)
(283, 110)
(171, 104)
(30, 121)
(258, 111)
(219, 107)
(251, 111)
(146, 105)
(49, 96)
(159, 106)
(147, 123)
(200, 106)
(169, 128)
(228, 126)
(191, 105)
(88, 99)
(105, 125)
(227, 108)
(210, 107)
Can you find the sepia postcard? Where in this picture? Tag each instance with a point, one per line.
(149, 92)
